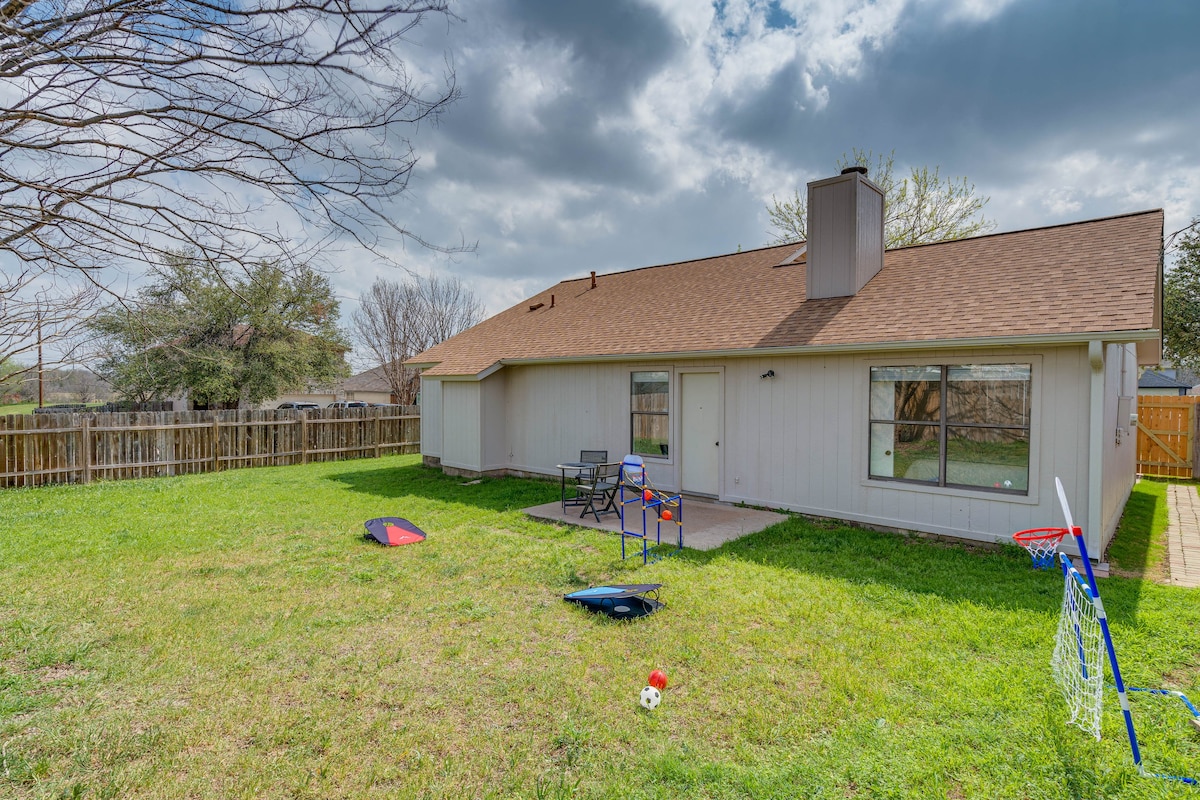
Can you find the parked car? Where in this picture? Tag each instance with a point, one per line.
(298, 406)
(348, 404)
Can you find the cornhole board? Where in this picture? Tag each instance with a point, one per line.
(393, 531)
(619, 601)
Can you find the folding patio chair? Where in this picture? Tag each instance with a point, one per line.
(602, 494)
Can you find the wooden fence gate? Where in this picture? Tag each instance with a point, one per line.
(1167, 432)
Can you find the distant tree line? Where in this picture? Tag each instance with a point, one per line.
(59, 385)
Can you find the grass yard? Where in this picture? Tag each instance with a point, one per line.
(18, 408)
(1132, 553)
(233, 636)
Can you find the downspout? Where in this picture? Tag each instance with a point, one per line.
(1095, 494)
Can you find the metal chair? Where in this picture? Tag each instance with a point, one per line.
(585, 478)
(603, 490)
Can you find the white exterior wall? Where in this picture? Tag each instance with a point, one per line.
(431, 418)
(800, 440)
(1120, 437)
(461, 446)
(492, 413)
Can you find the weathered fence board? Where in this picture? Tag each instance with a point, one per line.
(81, 447)
(1167, 429)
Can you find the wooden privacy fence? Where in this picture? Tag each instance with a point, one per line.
(1166, 444)
(79, 448)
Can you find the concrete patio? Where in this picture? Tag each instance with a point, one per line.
(706, 524)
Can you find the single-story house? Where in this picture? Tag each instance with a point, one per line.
(1163, 382)
(369, 386)
(937, 388)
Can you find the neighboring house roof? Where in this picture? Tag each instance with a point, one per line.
(1156, 380)
(1065, 282)
(371, 380)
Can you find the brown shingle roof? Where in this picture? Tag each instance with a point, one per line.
(1097, 277)
(372, 380)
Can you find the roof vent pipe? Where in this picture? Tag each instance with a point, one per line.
(593, 279)
(552, 301)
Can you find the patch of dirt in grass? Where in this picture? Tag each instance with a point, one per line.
(56, 673)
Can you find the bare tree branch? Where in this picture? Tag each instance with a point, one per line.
(398, 320)
(132, 129)
(923, 207)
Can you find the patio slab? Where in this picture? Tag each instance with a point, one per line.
(706, 524)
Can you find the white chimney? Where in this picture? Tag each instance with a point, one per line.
(845, 234)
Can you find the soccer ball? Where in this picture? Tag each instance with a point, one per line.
(650, 698)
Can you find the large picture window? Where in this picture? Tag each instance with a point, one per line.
(963, 425)
(650, 403)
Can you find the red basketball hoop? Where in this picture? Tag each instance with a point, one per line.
(1042, 544)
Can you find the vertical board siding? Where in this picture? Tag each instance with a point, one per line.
(77, 448)
(1120, 444)
(461, 445)
(799, 440)
(1166, 436)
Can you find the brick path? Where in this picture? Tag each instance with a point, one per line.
(1183, 534)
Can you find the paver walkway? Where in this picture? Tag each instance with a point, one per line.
(1183, 534)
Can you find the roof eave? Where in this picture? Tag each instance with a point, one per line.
(1032, 340)
(977, 342)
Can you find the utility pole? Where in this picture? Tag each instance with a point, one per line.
(41, 373)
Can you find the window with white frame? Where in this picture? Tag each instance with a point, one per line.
(960, 425)
(649, 405)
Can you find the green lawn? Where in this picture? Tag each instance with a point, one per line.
(18, 408)
(233, 636)
(1139, 547)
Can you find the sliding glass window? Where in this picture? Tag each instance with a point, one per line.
(963, 425)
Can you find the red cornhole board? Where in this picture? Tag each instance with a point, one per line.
(393, 531)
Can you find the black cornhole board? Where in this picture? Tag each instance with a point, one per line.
(619, 601)
(393, 531)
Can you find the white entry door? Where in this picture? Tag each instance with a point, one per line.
(701, 421)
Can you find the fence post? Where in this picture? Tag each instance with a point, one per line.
(303, 436)
(1193, 451)
(85, 449)
(216, 442)
(378, 414)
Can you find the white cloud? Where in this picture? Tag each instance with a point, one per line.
(1086, 183)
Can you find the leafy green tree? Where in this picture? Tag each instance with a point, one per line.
(1181, 302)
(226, 337)
(924, 207)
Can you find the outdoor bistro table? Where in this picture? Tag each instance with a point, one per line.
(579, 467)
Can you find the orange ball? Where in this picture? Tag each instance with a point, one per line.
(647, 495)
(667, 515)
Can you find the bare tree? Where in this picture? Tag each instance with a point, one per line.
(924, 207)
(243, 131)
(38, 312)
(395, 321)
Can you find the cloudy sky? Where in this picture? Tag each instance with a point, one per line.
(614, 134)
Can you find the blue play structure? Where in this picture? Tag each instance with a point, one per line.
(635, 487)
(1077, 662)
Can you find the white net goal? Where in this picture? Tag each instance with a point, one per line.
(1078, 660)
